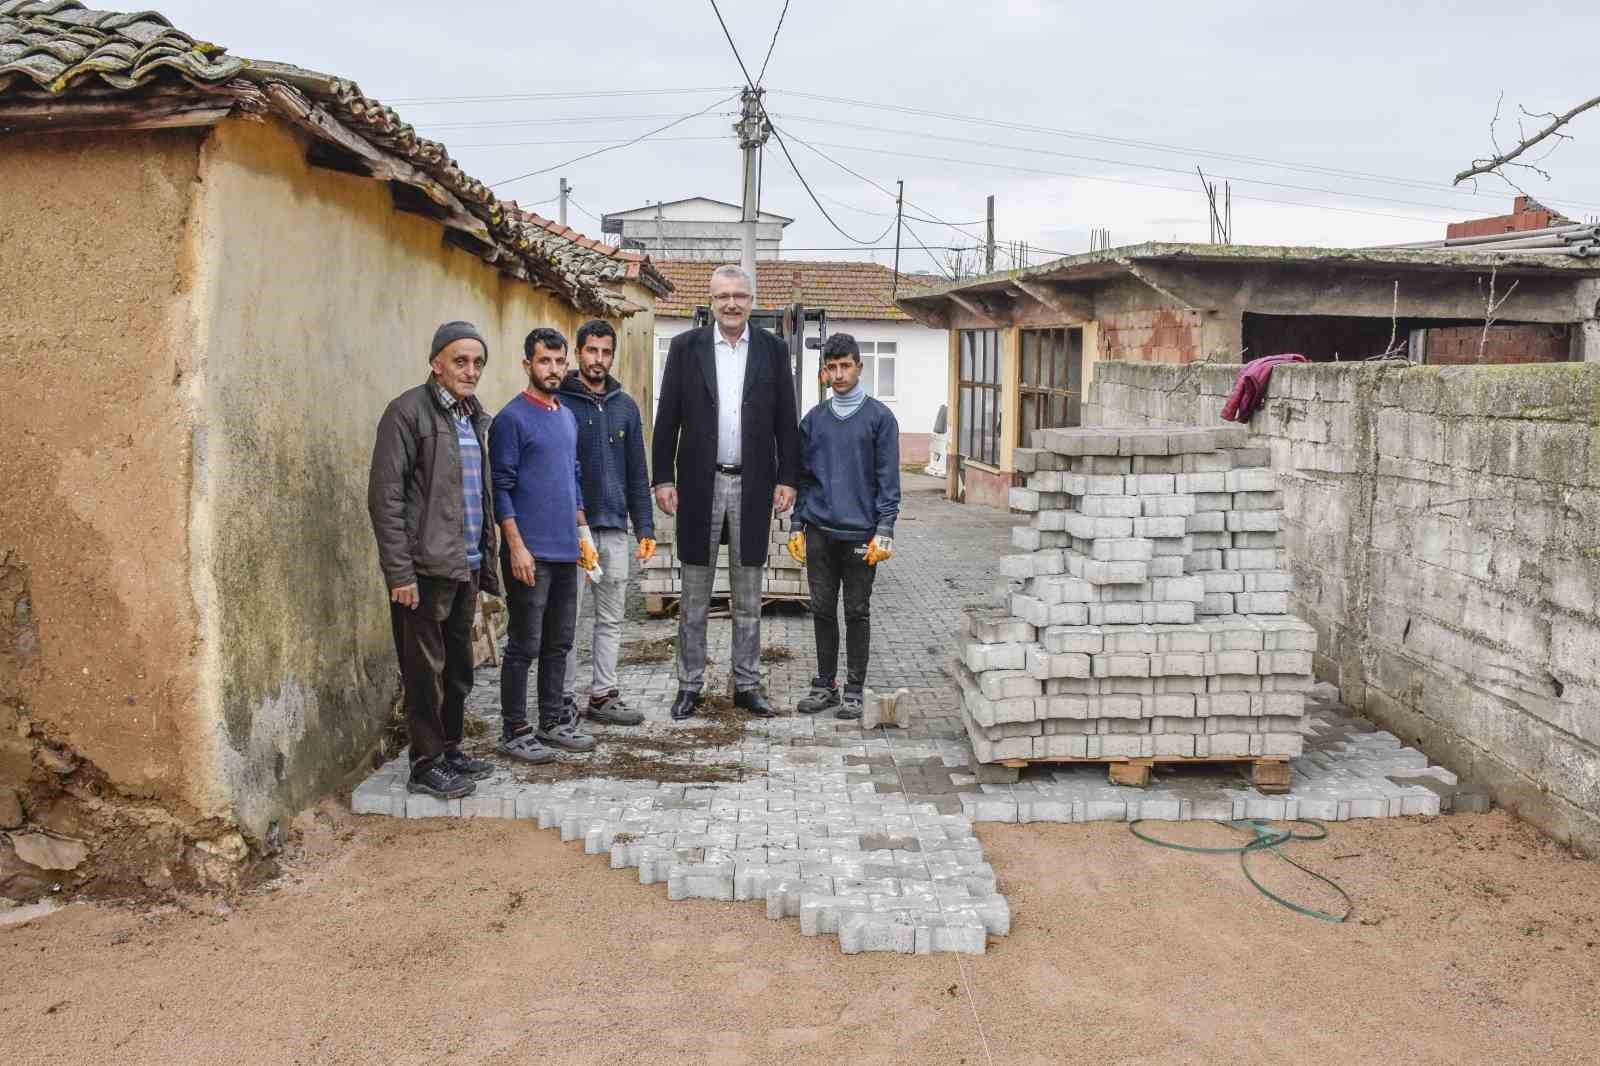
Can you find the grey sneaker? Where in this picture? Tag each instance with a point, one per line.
(610, 710)
(823, 694)
(568, 736)
(434, 778)
(526, 748)
(850, 706)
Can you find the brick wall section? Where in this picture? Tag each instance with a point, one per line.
(1443, 526)
(1165, 335)
(1459, 345)
(1525, 214)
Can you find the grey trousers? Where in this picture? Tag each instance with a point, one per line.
(745, 582)
(609, 598)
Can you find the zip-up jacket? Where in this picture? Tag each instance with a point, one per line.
(616, 480)
(414, 493)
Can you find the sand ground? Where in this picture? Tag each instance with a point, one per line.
(1475, 941)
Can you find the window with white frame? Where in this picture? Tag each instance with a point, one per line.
(877, 367)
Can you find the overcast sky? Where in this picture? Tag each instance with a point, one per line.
(1125, 99)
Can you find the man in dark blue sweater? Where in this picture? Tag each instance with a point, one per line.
(538, 499)
(616, 488)
(844, 520)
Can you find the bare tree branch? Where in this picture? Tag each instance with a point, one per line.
(1493, 164)
(1491, 308)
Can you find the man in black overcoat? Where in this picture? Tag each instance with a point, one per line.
(725, 456)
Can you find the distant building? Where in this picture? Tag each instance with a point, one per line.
(904, 360)
(698, 228)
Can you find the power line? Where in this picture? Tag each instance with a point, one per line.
(1132, 143)
(580, 207)
(595, 95)
(774, 43)
(805, 184)
(1118, 162)
(559, 121)
(581, 140)
(610, 148)
(1123, 181)
(931, 256)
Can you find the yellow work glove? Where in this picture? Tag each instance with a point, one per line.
(797, 547)
(880, 549)
(647, 549)
(588, 554)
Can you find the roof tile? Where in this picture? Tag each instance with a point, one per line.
(844, 289)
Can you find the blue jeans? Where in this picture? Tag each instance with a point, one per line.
(540, 624)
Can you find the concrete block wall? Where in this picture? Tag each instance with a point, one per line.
(1443, 527)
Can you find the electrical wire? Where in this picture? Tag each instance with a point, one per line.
(580, 140)
(595, 95)
(1126, 181)
(924, 247)
(774, 42)
(1135, 143)
(610, 148)
(751, 85)
(1121, 162)
(564, 120)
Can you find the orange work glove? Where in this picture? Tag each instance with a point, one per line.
(647, 549)
(880, 549)
(797, 547)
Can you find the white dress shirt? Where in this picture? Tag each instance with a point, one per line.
(731, 360)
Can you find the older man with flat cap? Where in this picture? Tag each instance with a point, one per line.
(432, 513)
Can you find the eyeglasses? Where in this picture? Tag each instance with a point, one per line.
(730, 297)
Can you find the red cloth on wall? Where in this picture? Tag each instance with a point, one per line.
(1250, 387)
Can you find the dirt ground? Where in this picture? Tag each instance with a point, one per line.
(1476, 941)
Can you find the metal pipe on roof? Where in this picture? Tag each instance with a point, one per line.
(1492, 238)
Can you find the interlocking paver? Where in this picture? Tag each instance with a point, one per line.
(866, 834)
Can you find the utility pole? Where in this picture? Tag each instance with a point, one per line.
(988, 255)
(899, 208)
(753, 130)
(565, 189)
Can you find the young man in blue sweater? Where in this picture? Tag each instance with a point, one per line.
(844, 520)
(538, 500)
(616, 490)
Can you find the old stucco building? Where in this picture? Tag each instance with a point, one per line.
(218, 272)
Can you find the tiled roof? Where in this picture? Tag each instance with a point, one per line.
(58, 49)
(844, 290)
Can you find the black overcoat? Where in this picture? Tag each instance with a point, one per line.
(684, 452)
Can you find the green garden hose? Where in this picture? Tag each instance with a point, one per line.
(1265, 838)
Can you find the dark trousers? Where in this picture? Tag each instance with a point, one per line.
(541, 624)
(831, 563)
(433, 642)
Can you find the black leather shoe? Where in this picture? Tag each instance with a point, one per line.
(686, 704)
(753, 703)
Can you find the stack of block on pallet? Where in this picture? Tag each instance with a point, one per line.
(1146, 617)
(662, 579)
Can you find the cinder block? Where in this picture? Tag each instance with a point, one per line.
(1111, 506)
(1256, 501)
(1257, 479)
(1045, 664)
(1221, 581)
(989, 626)
(1102, 464)
(1216, 603)
(1174, 744)
(1130, 640)
(1254, 521)
(1267, 581)
(1023, 500)
(1149, 484)
(1207, 482)
(1251, 559)
(1207, 462)
(1166, 506)
(1233, 662)
(1288, 705)
(1049, 481)
(1167, 613)
(981, 657)
(1178, 663)
(1117, 550)
(1052, 521)
(1255, 540)
(1284, 662)
(1060, 707)
(1157, 464)
(1121, 665)
(1169, 705)
(1172, 547)
(1237, 704)
(1098, 572)
(1261, 602)
(1166, 566)
(1167, 526)
(1084, 640)
(1219, 683)
(1061, 746)
(1009, 684)
(1201, 561)
(1182, 638)
(1205, 522)
(1116, 705)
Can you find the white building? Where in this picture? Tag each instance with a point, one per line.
(696, 228)
(905, 364)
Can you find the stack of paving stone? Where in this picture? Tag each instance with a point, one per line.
(1147, 615)
(783, 578)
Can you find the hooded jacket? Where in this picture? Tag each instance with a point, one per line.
(616, 479)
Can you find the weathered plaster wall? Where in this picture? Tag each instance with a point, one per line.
(97, 634)
(319, 302)
(1443, 525)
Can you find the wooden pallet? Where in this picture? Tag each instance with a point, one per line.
(661, 604)
(1268, 773)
